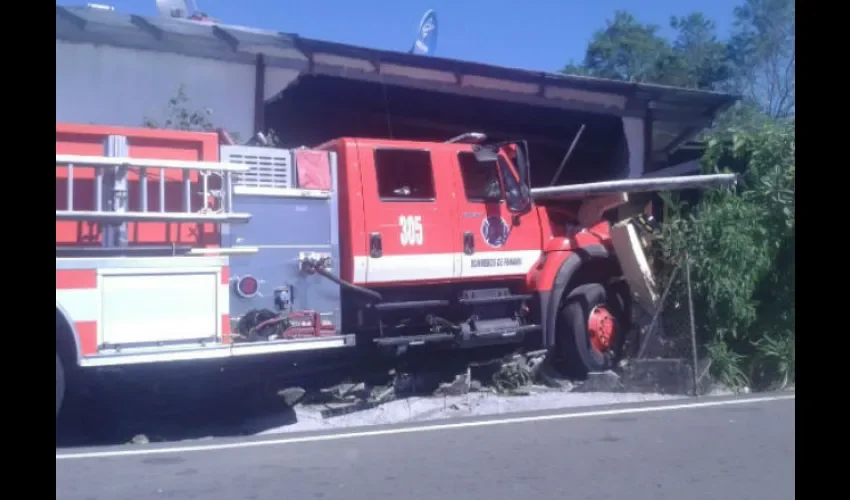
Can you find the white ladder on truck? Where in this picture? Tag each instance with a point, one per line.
(111, 189)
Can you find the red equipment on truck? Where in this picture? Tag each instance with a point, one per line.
(173, 247)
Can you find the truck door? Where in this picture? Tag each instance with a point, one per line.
(495, 243)
(410, 215)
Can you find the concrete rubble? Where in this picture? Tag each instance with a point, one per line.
(518, 383)
(518, 375)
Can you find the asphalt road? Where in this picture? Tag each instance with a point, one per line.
(730, 448)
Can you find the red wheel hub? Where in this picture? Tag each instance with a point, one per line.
(601, 328)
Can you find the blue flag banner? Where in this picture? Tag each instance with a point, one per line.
(426, 38)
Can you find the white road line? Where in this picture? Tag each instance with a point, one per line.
(422, 428)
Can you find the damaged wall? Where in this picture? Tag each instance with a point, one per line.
(316, 109)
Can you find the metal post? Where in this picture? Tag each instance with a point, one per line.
(162, 190)
(227, 182)
(206, 188)
(98, 190)
(693, 324)
(187, 191)
(661, 302)
(567, 155)
(70, 187)
(143, 189)
(115, 234)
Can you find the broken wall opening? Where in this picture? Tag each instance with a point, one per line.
(316, 109)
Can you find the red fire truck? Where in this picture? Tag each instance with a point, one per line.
(173, 247)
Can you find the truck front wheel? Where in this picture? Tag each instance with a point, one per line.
(590, 329)
(60, 384)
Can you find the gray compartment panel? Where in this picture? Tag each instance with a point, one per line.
(282, 221)
(282, 228)
(278, 267)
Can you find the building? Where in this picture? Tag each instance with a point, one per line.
(119, 69)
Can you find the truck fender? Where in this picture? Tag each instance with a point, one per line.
(550, 300)
(67, 339)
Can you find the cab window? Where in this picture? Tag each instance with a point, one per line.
(480, 180)
(404, 175)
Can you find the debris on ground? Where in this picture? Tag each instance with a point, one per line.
(409, 383)
(140, 439)
(462, 384)
(607, 381)
(346, 392)
(521, 382)
(292, 395)
(524, 374)
(345, 409)
(423, 409)
(514, 376)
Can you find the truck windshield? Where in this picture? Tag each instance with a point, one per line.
(480, 179)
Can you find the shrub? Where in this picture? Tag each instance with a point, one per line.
(740, 242)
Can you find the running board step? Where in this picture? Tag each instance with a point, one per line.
(471, 301)
(501, 333)
(505, 332)
(413, 304)
(426, 304)
(415, 339)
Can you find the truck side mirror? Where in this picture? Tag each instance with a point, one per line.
(514, 191)
(518, 193)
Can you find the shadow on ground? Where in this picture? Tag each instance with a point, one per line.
(146, 415)
(176, 402)
(203, 403)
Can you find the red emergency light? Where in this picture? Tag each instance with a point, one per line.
(247, 287)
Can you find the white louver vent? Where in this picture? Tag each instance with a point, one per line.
(270, 168)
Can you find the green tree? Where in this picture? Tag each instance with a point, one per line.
(179, 115)
(698, 59)
(624, 50)
(758, 61)
(629, 50)
(763, 48)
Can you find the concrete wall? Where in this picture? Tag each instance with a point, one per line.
(107, 85)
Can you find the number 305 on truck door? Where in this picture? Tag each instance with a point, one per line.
(411, 230)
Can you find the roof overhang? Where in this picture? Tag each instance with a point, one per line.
(676, 114)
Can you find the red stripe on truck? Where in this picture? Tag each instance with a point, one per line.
(68, 279)
(87, 336)
(225, 329)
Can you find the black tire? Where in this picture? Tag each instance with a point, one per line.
(60, 384)
(573, 338)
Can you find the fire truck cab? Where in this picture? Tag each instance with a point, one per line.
(446, 233)
(441, 244)
(430, 213)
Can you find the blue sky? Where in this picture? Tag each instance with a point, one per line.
(532, 34)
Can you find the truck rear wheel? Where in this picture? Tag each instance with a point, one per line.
(590, 333)
(60, 384)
